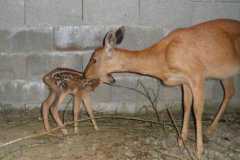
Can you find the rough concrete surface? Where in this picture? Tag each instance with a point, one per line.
(37, 36)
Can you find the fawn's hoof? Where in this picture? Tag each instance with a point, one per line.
(76, 130)
(180, 141)
(64, 131)
(96, 128)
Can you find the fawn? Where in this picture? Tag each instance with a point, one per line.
(62, 82)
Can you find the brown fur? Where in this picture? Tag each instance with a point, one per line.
(184, 57)
(62, 82)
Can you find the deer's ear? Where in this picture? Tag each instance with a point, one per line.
(109, 42)
(119, 34)
(113, 38)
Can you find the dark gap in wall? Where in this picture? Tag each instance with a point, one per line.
(82, 10)
(139, 9)
(53, 46)
(24, 12)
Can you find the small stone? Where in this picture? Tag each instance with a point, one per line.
(129, 153)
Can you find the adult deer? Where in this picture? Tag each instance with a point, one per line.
(62, 82)
(184, 57)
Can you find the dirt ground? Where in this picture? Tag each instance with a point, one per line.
(117, 139)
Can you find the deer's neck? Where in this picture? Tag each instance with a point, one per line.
(150, 61)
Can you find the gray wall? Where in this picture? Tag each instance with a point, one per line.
(34, 36)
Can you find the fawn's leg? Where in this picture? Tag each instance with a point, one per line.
(87, 104)
(198, 103)
(54, 110)
(45, 110)
(187, 102)
(229, 91)
(76, 112)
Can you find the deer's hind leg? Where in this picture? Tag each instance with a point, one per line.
(229, 91)
(54, 110)
(45, 110)
(88, 106)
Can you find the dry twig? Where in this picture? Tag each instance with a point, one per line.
(151, 95)
(71, 122)
(172, 156)
(178, 134)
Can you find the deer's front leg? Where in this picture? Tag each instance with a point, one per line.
(45, 110)
(76, 111)
(87, 104)
(54, 110)
(198, 104)
(187, 100)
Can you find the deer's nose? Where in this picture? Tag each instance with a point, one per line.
(113, 80)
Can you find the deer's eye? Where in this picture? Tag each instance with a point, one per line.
(94, 60)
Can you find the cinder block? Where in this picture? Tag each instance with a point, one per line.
(202, 0)
(77, 38)
(237, 85)
(110, 12)
(28, 40)
(37, 65)
(236, 98)
(228, 1)
(12, 66)
(21, 92)
(217, 92)
(211, 86)
(207, 11)
(155, 88)
(103, 94)
(122, 94)
(11, 14)
(54, 12)
(35, 92)
(4, 36)
(85, 37)
(167, 14)
(112, 107)
(66, 59)
(171, 94)
(140, 37)
(150, 84)
(12, 91)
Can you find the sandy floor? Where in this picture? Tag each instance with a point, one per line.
(117, 139)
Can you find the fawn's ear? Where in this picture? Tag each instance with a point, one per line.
(113, 38)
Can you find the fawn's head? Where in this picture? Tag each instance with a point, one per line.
(104, 60)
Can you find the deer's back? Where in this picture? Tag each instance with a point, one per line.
(213, 47)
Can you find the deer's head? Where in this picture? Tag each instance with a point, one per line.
(104, 60)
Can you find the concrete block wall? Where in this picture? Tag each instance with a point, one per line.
(37, 36)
